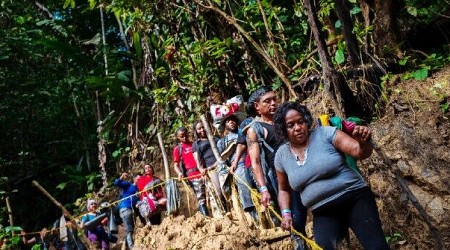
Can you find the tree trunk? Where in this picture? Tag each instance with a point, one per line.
(10, 214)
(330, 76)
(101, 141)
(385, 29)
(343, 14)
(164, 155)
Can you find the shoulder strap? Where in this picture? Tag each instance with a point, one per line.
(180, 148)
(259, 130)
(154, 182)
(181, 163)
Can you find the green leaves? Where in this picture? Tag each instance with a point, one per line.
(68, 3)
(355, 10)
(421, 74)
(11, 242)
(338, 24)
(137, 44)
(444, 107)
(339, 56)
(412, 10)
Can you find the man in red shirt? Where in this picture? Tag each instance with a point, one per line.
(186, 166)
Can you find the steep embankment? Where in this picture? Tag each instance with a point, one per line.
(413, 132)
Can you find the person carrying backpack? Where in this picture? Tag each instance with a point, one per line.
(228, 119)
(67, 234)
(152, 199)
(185, 166)
(97, 233)
(262, 143)
(206, 161)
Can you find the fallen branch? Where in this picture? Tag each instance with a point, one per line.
(83, 237)
(219, 160)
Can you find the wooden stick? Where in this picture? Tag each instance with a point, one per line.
(211, 139)
(404, 185)
(164, 155)
(216, 155)
(8, 206)
(83, 237)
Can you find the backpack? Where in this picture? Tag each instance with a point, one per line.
(346, 126)
(269, 172)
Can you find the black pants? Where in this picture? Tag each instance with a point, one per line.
(299, 213)
(356, 210)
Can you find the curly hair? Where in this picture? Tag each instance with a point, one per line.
(279, 118)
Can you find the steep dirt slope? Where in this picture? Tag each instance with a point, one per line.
(413, 132)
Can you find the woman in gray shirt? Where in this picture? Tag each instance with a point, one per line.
(313, 163)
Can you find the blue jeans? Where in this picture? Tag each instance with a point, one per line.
(244, 180)
(356, 210)
(126, 214)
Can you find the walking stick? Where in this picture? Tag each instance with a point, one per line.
(83, 237)
(216, 155)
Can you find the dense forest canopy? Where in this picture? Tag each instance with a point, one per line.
(86, 85)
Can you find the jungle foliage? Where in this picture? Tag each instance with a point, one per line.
(90, 83)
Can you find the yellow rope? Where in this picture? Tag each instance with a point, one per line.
(254, 193)
(255, 196)
(188, 193)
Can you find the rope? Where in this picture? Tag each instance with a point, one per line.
(254, 193)
(255, 196)
(188, 193)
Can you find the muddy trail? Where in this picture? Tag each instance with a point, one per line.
(413, 132)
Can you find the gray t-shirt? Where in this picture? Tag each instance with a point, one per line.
(324, 176)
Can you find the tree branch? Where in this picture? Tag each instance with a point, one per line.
(258, 47)
(43, 8)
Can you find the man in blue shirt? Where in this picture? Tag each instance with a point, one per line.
(128, 200)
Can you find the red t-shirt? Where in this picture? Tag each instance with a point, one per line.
(188, 158)
(143, 181)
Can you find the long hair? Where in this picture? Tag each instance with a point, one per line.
(195, 130)
(279, 118)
